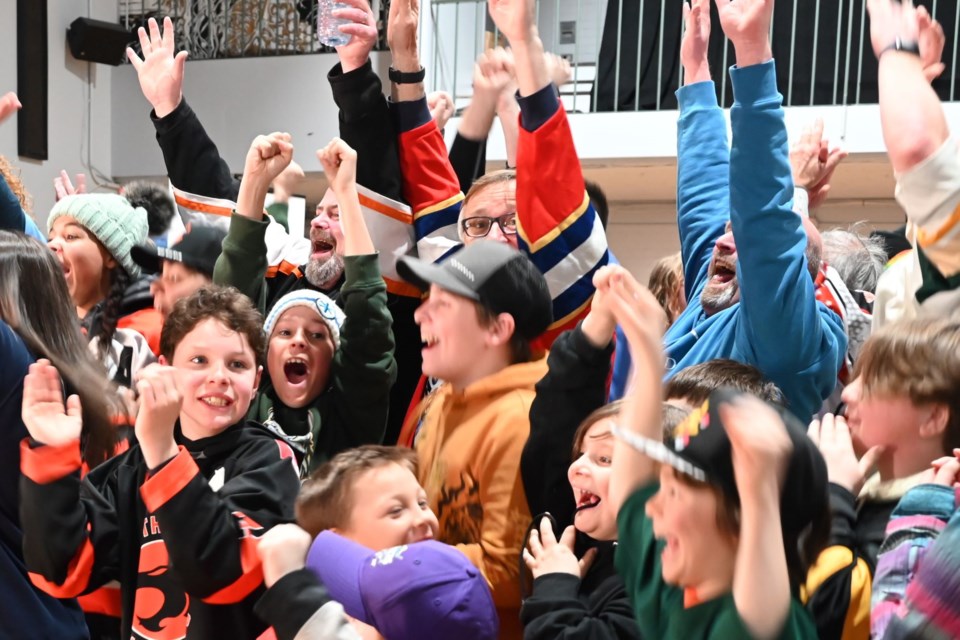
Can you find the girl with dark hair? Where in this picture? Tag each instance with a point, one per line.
(37, 321)
(91, 235)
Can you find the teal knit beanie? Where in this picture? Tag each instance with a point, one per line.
(111, 219)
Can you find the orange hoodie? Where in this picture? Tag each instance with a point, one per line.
(469, 447)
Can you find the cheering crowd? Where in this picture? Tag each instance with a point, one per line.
(449, 412)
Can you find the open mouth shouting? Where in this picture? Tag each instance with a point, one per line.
(586, 500)
(322, 244)
(723, 273)
(296, 370)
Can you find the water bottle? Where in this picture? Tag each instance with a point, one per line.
(327, 24)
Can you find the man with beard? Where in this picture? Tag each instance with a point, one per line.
(194, 165)
(749, 262)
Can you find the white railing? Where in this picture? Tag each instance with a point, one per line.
(822, 47)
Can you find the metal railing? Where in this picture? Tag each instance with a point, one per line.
(624, 53)
(212, 29)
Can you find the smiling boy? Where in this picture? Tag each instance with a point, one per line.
(174, 520)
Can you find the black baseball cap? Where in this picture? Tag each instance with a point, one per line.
(494, 274)
(700, 448)
(198, 248)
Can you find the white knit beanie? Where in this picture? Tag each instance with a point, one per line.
(111, 218)
(326, 308)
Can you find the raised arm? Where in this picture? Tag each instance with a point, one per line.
(914, 125)
(643, 321)
(703, 153)
(777, 288)
(761, 447)
(915, 131)
(575, 385)
(192, 160)
(430, 184)
(364, 367)
(366, 123)
(243, 262)
(557, 225)
(69, 530)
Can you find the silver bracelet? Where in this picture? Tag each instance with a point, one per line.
(659, 452)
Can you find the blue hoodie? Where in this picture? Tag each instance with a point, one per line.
(25, 611)
(778, 326)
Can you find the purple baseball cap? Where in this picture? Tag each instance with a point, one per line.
(423, 590)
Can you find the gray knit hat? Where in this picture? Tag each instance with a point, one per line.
(111, 219)
(326, 308)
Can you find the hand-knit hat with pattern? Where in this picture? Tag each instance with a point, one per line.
(326, 308)
(111, 219)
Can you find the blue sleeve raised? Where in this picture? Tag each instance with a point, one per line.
(703, 173)
(795, 341)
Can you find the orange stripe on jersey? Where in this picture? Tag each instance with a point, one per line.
(203, 207)
(78, 575)
(379, 207)
(169, 481)
(284, 268)
(47, 464)
(401, 288)
(105, 601)
(252, 570)
(925, 239)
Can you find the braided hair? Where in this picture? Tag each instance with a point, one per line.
(110, 315)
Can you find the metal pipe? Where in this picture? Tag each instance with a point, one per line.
(863, 21)
(663, 10)
(846, 64)
(836, 54)
(636, 94)
(616, 78)
(816, 37)
(793, 45)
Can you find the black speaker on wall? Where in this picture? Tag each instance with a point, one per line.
(32, 78)
(98, 41)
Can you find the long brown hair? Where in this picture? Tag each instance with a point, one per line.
(35, 302)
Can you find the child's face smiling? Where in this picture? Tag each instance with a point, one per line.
(218, 375)
(697, 553)
(589, 476)
(390, 508)
(299, 356)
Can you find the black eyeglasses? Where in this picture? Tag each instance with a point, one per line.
(479, 226)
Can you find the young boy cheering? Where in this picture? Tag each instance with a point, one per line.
(174, 519)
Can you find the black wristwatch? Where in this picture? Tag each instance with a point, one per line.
(401, 77)
(899, 44)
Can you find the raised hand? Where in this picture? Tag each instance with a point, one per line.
(46, 417)
(889, 20)
(160, 402)
(516, 19)
(267, 157)
(493, 75)
(63, 186)
(599, 324)
(559, 69)
(931, 43)
(9, 104)
(696, 38)
(339, 162)
(402, 25)
(363, 28)
(161, 70)
(747, 24)
(759, 443)
(282, 550)
(545, 554)
(832, 436)
(813, 162)
(441, 107)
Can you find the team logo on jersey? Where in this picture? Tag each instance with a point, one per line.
(161, 605)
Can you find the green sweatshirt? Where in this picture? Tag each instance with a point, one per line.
(353, 409)
(659, 607)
